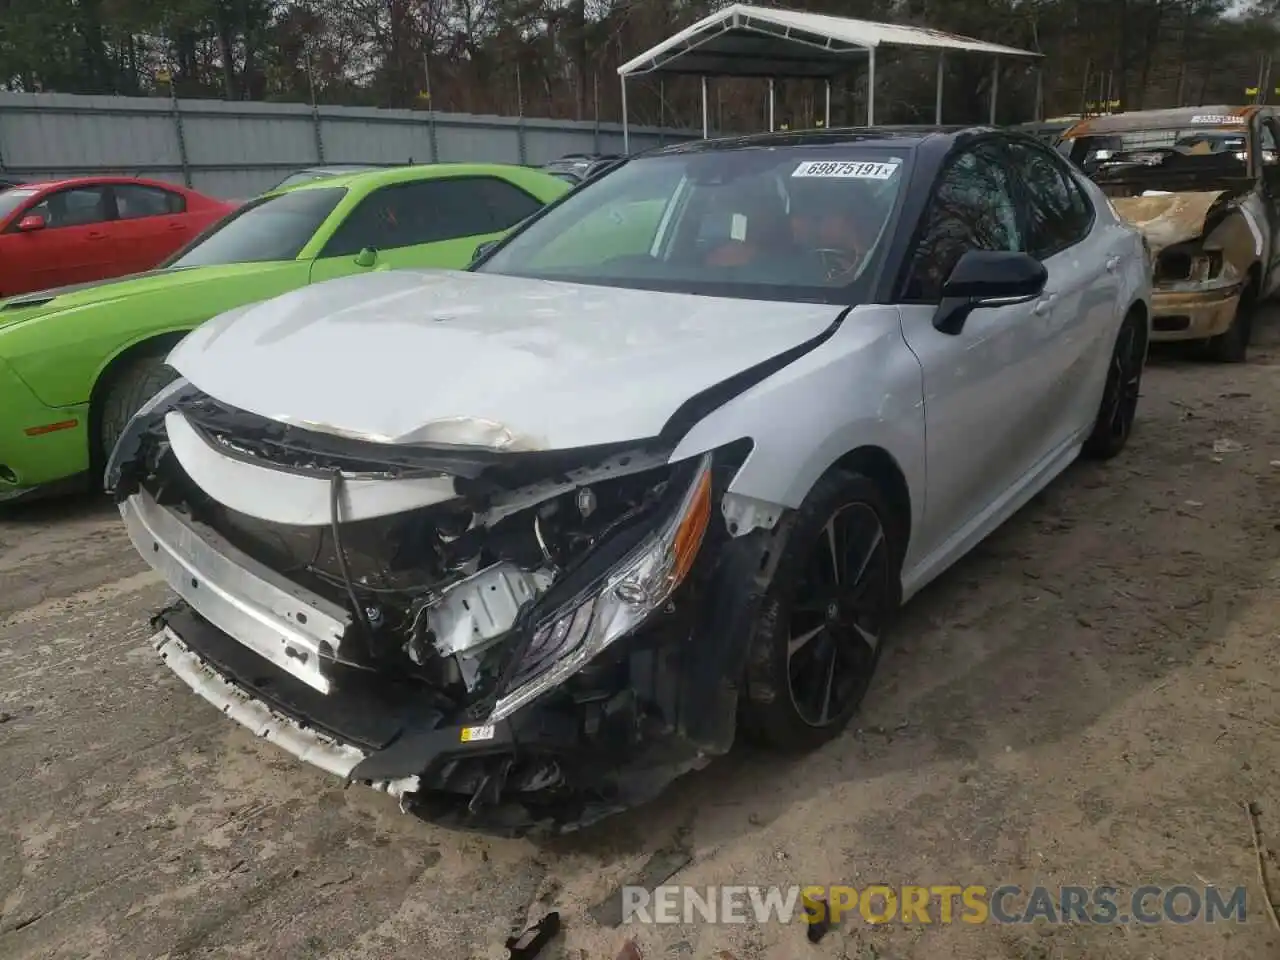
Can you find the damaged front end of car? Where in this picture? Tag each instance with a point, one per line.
(507, 641)
(1205, 248)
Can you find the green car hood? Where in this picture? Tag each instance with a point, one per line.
(172, 281)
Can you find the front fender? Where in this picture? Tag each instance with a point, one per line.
(862, 387)
(61, 356)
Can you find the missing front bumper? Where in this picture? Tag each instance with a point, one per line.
(544, 770)
(613, 735)
(306, 744)
(292, 628)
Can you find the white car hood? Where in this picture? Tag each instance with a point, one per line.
(481, 360)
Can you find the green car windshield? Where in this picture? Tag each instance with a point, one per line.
(274, 227)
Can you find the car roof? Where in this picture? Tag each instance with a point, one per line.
(381, 176)
(1155, 119)
(338, 168)
(64, 182)
(903, 137)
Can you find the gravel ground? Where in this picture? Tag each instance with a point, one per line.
(1091, 697)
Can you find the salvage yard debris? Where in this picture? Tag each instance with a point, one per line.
(529, 944)
(661, 866)
(817, 907)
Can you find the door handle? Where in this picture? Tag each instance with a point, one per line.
(1044, 305)
(1113, 264)
(97, 236)
(176, 227)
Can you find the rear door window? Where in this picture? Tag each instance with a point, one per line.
(1059, 213)
(134, 201)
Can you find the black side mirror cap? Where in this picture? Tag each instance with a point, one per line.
(988, 278)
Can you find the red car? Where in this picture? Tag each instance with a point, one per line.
(62, 232)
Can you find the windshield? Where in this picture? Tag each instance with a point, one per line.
(11, 200)
(1195, 148)
(275, 227)
(764, 223)
(311, 176)
(306, 176)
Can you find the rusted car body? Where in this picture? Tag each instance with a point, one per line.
(1201, 183)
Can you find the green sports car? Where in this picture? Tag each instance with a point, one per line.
(77, 362)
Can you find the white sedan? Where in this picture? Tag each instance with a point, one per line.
(522, 543)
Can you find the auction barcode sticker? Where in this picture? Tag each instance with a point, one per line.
(1217, 118)
(475, 734)
(847, 170)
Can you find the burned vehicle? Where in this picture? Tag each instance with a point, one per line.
(522, 543)
(1203, 186)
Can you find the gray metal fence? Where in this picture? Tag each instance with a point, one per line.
(238, 149)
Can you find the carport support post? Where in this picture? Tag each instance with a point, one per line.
(995, 86)
(771, 104)
(827, 121)
(626, 135)
(662, 112)
(1039, 92)
(871, 87)
(937, 97)
(182, 139)
(705, 130)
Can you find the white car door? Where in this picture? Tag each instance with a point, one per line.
(1081, 253)
(984, 388)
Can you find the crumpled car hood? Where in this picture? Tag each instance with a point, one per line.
(504, 363)
(1168, 218)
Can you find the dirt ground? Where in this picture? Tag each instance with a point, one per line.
(1091, 697)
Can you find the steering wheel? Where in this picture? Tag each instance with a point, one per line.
(838, 264)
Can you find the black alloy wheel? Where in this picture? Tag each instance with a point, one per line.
(837, 617)
(1119, 407)
(825, 615)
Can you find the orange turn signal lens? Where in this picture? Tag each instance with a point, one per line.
(44, 428)
(692, 528)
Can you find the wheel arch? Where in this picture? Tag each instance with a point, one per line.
(880, 467)
(155, 344)
(1253, 276)
(1141, 309)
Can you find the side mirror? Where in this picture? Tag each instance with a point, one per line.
(988, 278)
(30, 223)
(367, 257)
(483, 250)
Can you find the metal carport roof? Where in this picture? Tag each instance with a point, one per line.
(764, 42)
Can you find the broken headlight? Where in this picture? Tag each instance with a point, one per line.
(619, 601)
(1183, 265)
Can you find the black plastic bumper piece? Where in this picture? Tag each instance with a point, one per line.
(557, 765)
(367, 711)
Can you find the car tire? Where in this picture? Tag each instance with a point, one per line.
(131, 385)
(1232, 345)
(814, 648)
(1114, 422)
